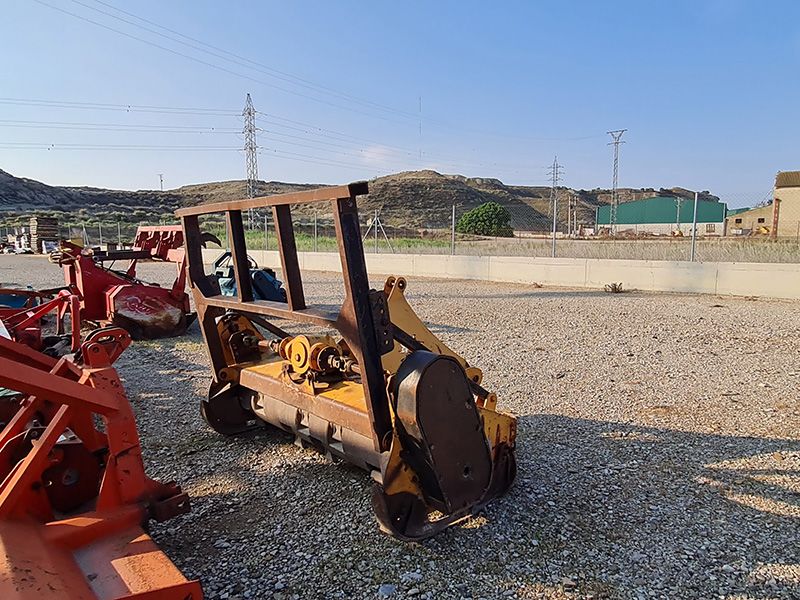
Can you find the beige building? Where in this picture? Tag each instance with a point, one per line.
(780, 219)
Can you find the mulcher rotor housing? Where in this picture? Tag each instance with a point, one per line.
(372, 385)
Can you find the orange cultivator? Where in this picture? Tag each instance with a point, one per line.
(74, 496)
(23, 323)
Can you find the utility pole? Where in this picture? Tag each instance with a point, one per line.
(250, 153)
(573, 226)
(555, 178)
(575, 217)
(694, 230)
(570, 198)
(420, 130)
(161, 181)
(453, 232)
(617, 140)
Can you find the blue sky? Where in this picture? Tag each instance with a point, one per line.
(707, 90)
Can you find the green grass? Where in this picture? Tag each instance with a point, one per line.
(256, 240)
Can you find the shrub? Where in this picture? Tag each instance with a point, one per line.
(489, 218)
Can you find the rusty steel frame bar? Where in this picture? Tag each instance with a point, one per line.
(98, 550)
(282, 215)
(354, 320)
(359, 188)
(29, 380)
(18, 319)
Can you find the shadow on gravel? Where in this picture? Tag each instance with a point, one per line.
(436, 328)
(611, 510)
(660, 511)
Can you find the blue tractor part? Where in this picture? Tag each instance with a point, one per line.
(22, 300)
(266, 285)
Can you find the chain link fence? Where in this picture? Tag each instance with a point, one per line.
(733, 229)
(90, 232)
(760, 231)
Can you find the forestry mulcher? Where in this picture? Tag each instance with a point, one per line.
(371, 384)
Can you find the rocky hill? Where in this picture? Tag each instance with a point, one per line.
(413, 199)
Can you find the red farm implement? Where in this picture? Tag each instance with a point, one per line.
(74, 496)
(116, 297)
(22, 313)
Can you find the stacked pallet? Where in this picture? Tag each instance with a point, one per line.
(43, 229)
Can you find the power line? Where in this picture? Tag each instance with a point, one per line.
(403, 114)
(55, 146)
(616, 135)
(339, 136)
(267, 118)
(212, 65)
(313, 159)
(114, 127)
(120, 107)
(239, 60)
(338, 149)
(309, 128)
(290, 78)
(346, 140)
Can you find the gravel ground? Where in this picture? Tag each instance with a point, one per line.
(658, 450)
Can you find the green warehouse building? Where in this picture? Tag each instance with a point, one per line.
(662, 215)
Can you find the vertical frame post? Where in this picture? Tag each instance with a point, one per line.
(241, 266)
(282, 215)
(356, 321)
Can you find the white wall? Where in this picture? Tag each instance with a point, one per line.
(772, 280)
(668, 228)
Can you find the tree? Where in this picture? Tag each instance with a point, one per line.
(489, 218)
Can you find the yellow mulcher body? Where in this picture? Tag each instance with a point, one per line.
(372, 385)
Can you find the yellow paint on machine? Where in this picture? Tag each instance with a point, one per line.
(348, 393)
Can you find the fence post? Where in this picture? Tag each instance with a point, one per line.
(119, 234)
(375, 227)
(694, 229)
(453, 232)
(315, 230)
(266, 233)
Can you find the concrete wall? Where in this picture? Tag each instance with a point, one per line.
(772, 280)
(717, 229)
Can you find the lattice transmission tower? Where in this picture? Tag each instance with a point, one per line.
(617, 140)
(555, 173)
(250, 153)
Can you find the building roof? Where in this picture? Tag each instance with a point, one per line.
(663, 209)
(756, 211)
(736, 211)
(787, 179)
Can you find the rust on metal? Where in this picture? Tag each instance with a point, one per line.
(74, 496)
(325, 194)
(112, 297)
(387, 395)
